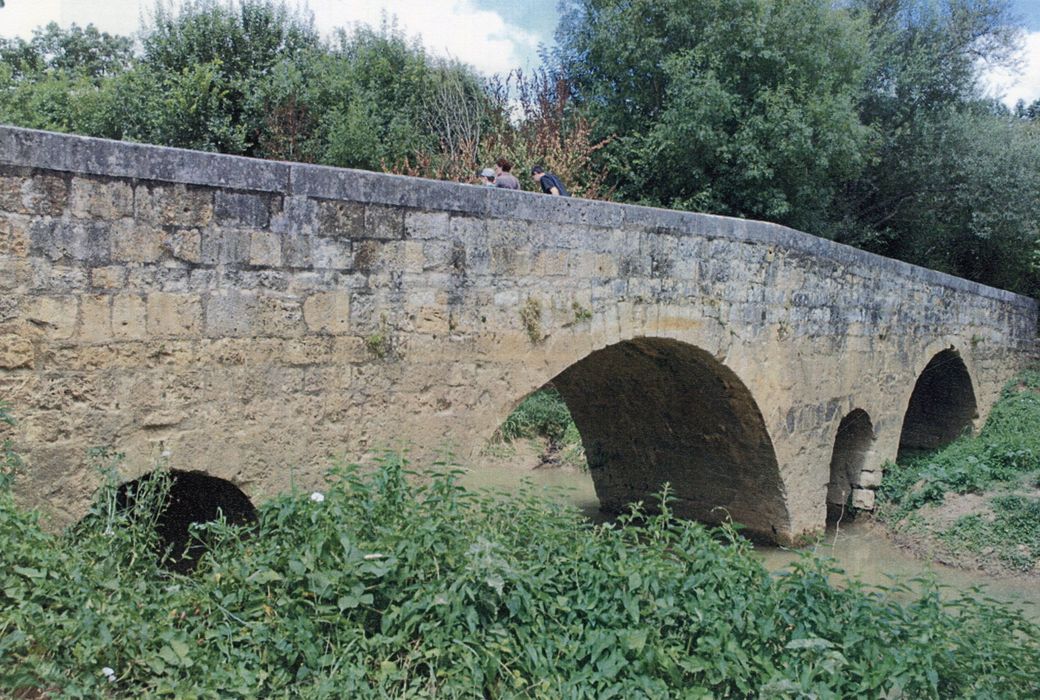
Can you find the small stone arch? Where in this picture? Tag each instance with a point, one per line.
(657, 410)
(853, 444)
(193, 497)
(942, 406)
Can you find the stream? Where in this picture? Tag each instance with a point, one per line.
(858, 547)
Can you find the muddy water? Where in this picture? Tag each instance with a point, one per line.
(859, 549)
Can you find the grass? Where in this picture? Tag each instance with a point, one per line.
(1002, 464)
(390, 586)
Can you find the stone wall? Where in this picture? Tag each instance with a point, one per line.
(256, 319)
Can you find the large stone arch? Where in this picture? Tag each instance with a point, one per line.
(942, 405)
(655, 410)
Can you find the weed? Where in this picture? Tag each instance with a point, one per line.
(531, 317)
(378, 345)
(581, 313)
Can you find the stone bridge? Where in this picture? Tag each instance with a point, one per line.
(255, 319)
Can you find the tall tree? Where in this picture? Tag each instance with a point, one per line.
(744, 107)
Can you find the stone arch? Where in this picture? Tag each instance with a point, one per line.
(942, 406)
(656, 410)
(853, 443)
(194, 497)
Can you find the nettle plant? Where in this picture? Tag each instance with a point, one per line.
(390, 583)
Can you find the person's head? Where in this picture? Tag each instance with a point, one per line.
(537, 172)
(504, 165)
(487, 176)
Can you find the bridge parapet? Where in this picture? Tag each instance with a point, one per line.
(255, 318)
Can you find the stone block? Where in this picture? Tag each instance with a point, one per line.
(297, 250)
(225, 246)
(15, 352)
(23, 192)
(426, 224)
(173, 205)
(551, 263)
(95, 324)
(183, 244)
(384, 223)
(413, 258)
(341, 219)
(108, 277)
(328, 312)
(86, 241)
(869, 479)
(863, 499)
(14, 235)
(134, 242)
(229, 312)
(95, 198)
(278, 315)
(57, 315)
(299, 216)
(367, 256)
(177, 315)
(265, 249)
(242, 209)
(129, 314)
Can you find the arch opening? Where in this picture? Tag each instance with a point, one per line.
(654, 410)
(942, 406)
(193, 497)
(853, 443)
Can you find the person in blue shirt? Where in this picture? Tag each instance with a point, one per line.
(549, 182)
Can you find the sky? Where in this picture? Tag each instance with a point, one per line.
(492, 35)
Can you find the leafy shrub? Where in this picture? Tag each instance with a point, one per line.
(390, 586)
(542, 414)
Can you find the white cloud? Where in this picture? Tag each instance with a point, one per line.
(1023, 84)
(454, 28)
(458, 29)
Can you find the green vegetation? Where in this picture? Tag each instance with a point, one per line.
(863, 121)
(389, 586)
(1001, 465)
(544, 416)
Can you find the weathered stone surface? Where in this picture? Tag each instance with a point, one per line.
(15, 352)
(328, 312)
(258, 318)
(174, 314)
(863, 499)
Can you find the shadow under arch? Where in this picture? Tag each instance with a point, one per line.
(853, 442)
(193, 497)
(656, 410)
(942, 406)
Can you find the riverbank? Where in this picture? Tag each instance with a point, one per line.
(975, 504)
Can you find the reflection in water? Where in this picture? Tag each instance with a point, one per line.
(857, 548)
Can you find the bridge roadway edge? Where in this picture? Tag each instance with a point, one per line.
(136, 163)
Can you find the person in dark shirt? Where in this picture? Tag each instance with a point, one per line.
(549, 182)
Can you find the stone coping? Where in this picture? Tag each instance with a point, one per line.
(92, 156)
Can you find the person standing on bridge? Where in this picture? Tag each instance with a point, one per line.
(549, 182)
(505, 179)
